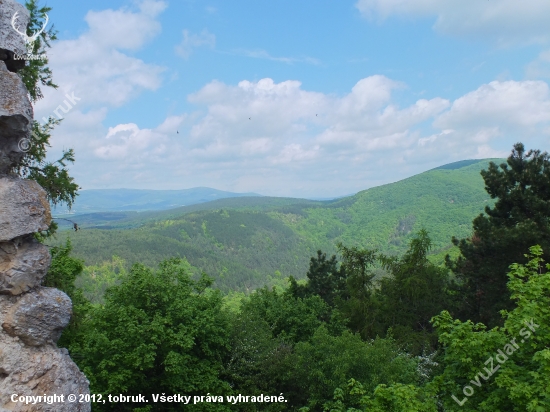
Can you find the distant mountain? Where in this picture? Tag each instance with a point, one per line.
(119, 200)
(247, 242)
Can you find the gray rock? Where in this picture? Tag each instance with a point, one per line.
(24, 208)
(15, 118)
(23, 264)
(32, 318)
(9, 38)
(35, 371)
(38, 317)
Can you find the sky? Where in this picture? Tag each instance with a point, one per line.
(316, 98)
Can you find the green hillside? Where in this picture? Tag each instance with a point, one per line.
(245, 243)
(132, 219)
(443, 201)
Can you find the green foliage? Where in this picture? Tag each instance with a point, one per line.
(63, 271)
(290, 319)
(357, 304)
(52, 176)
(503, 369)
(471, 352)
(386, 218)
(158, 331)
(397, 397)
(265, 333)
(328, 362)
(324, 279)
(36, 71)
(404, 301)
(414, 291)
(518, 220)
(259, 362)
(95, 280)
(232, 301)
(241, 252)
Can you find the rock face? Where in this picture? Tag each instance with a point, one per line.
(9, 38)
(38, 318)
(35, 371)
(23, 264)
(32, 317)
(24, 208)
(12, 42)
(15, 118)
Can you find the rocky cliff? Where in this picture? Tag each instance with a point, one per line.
(32, 317)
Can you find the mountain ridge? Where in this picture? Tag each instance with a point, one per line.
(125, 200)
(247, 242)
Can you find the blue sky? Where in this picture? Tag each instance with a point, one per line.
(306, 99)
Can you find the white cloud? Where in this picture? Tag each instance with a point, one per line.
(123, 29)
(295, 152)
(124, 140)
(93, 65)
(280, 139)
(504, 21)
(513, 104)
(192, 41)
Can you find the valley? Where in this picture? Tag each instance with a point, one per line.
(248, 242)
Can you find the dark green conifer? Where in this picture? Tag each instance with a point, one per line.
(518, 220)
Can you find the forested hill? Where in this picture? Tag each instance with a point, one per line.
(247, 242)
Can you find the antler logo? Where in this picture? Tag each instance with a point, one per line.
(29, 40)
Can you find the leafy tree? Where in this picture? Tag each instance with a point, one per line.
(503, 369)
(519, 219)
(260, 364)
(519, 350)
(414, 291)
(289, 318)
(62, 273)
(158, 332)
(328, 362)
(265, 334)
(357, 305)
(396, 397)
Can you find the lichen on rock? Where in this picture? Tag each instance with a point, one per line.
(38, 318)
(24, 208)
(23, 265)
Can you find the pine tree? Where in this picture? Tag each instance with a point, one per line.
(518, 220)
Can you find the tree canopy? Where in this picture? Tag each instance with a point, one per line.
(518, 220)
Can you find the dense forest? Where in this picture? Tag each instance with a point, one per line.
(246, 243)
(415, 339)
